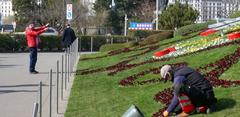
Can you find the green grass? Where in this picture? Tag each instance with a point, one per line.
(99, 95)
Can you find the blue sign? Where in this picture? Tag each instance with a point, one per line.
(69, 12)
(140, 26)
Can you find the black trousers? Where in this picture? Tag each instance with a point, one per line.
(33, 58)
(200, 97)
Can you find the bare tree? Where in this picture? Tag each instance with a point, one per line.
(145, 10)
(54, 12)
(83, 17)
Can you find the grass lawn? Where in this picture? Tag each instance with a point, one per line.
(100, 95)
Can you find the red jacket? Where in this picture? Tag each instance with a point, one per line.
(32, 35)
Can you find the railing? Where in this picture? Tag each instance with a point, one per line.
(65, 70)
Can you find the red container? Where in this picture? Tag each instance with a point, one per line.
(186, 103)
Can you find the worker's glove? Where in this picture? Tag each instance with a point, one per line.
(165, 113)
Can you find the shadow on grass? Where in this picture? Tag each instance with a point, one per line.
(225, 103)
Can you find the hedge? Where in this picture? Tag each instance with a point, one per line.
(110, 47)
(98, 41)
(188, 29)
(17, 42)
(157, 37)
(142, 33)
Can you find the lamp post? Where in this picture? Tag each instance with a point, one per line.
(64, 11)
(125, 26)
(39, 3)
(112, 5)
(156, 14)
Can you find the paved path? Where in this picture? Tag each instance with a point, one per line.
(19, 89)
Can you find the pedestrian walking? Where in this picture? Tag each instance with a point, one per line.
(32, 35)
(192, 92)
(68, 36)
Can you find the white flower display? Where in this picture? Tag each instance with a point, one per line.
(194, 45)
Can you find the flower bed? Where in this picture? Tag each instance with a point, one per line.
(199, 44)
(233, 36)
(208, 32)
(124, 65)
(164, 52)
(231, 29)
(130, 79)
(191, 46)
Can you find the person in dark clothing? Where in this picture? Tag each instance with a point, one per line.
(68, 36)
(197, 91)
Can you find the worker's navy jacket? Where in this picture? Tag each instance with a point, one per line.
(185, 76)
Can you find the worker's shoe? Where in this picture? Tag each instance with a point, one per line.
(183, 114)
(211, 108)
(34, 72)
(201, 109)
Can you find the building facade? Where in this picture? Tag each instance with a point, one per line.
(6, 8)
(211, 9)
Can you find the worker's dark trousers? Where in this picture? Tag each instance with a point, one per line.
(200, 97)
(33, 58)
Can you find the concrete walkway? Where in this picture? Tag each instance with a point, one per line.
(19, 89)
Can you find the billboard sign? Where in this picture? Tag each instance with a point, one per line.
(140, 26)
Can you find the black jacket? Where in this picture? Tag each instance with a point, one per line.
(68, 37)
(196, 86)
(194, 79)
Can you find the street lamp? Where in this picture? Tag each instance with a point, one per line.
(39, 3)
(156, 14)
(113, 5)
(125, 26)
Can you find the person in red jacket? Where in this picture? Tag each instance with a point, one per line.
(32, 35)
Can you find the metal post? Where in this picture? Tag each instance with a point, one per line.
(64, 11)
(91, 44)
(35, 110)
(62, 79)
(156, 14)
(40, 99)
(66, 69)
(57, 83)
(125, 26)
(80, 45)
(50, 93)
(111, 40)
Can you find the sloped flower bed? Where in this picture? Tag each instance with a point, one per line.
(124, 50)
(109, 68)
(113, 69)
(124, 65)
(234, 36)
(193, 46)
(131, 79)
(208, 32)
(150, 49)
(231, 29)
(111, 53)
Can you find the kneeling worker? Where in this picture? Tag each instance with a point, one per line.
(191, 91)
